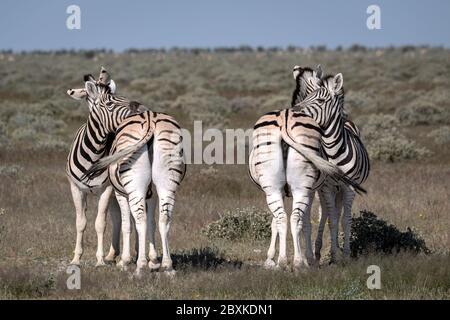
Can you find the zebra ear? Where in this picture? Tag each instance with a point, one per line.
(91, 89)
(104, 77)
(88, 77)
(296, 72)
(318, 73)
(112, 86)
(338, 83)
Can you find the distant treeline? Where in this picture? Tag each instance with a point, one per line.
(243, 49)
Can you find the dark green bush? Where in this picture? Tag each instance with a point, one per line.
(371, 234)
(246, 223)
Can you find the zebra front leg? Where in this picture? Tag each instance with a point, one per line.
(153, 263)
(346, 220)
(126, 231)
(270, 263)
(79, 200)
(114, 213)
(100, 223)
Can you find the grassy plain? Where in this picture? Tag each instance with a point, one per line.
(406, 88)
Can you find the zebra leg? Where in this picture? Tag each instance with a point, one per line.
(126, 231)
(323, 213)
(270, 263)
(275, 202)
(79, 200)
(348, 197)
(138, 210)
(114, 213)
(166, 204)
(301, 223)
(151, 226)
(328, 203)
(100, 223)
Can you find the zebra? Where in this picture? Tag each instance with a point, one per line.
(147, 149)
(345, 195)
(278, 170)
(88, 146)
(343, 146)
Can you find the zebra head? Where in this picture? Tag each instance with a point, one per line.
(81, 93)
(324, 104)
(107, 109)
(307, 80)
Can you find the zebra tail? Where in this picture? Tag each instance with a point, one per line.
(321, 164)
(98, 167)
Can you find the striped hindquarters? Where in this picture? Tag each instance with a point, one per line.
(307, 133)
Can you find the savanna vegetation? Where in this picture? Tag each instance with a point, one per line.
(399, 97)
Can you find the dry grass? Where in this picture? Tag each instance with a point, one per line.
(37, 217)
(39, 235)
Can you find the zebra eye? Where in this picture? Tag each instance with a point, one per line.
(320, 101)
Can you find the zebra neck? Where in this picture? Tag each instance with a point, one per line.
(94, 139)
(333, 138)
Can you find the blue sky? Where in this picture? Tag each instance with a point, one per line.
(28, 25)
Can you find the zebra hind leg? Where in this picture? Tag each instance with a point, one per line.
(270, 263)
(301, 224)
(346, 220)
(153, 263)
(279, 221)
(114, 213)
(138, 209)
(126, 231)
(323, 217)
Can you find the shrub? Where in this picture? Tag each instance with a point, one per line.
(11, 170)
(203, 258)
(422, 113)
(385, 142)
(4, 140)
(440, 135)
(370, 234)
(245, 223)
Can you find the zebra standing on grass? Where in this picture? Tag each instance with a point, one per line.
(89, 145)
(343, 146)
(147, 149)
(278, 170)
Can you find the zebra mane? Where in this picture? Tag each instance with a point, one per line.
(296, 93)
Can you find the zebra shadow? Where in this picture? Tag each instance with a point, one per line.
(202, 259)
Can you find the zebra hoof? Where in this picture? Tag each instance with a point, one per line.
(170, 273)
(154, 265)
(122, 265)
(100, 264)
(75, 262)
(269, 264)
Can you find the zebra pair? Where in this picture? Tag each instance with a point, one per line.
(279, 170)
(145, 149)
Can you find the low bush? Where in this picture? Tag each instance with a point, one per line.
(422, 112)
(440, 135)
(245, 223)
(385, 142)
(371, 234)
